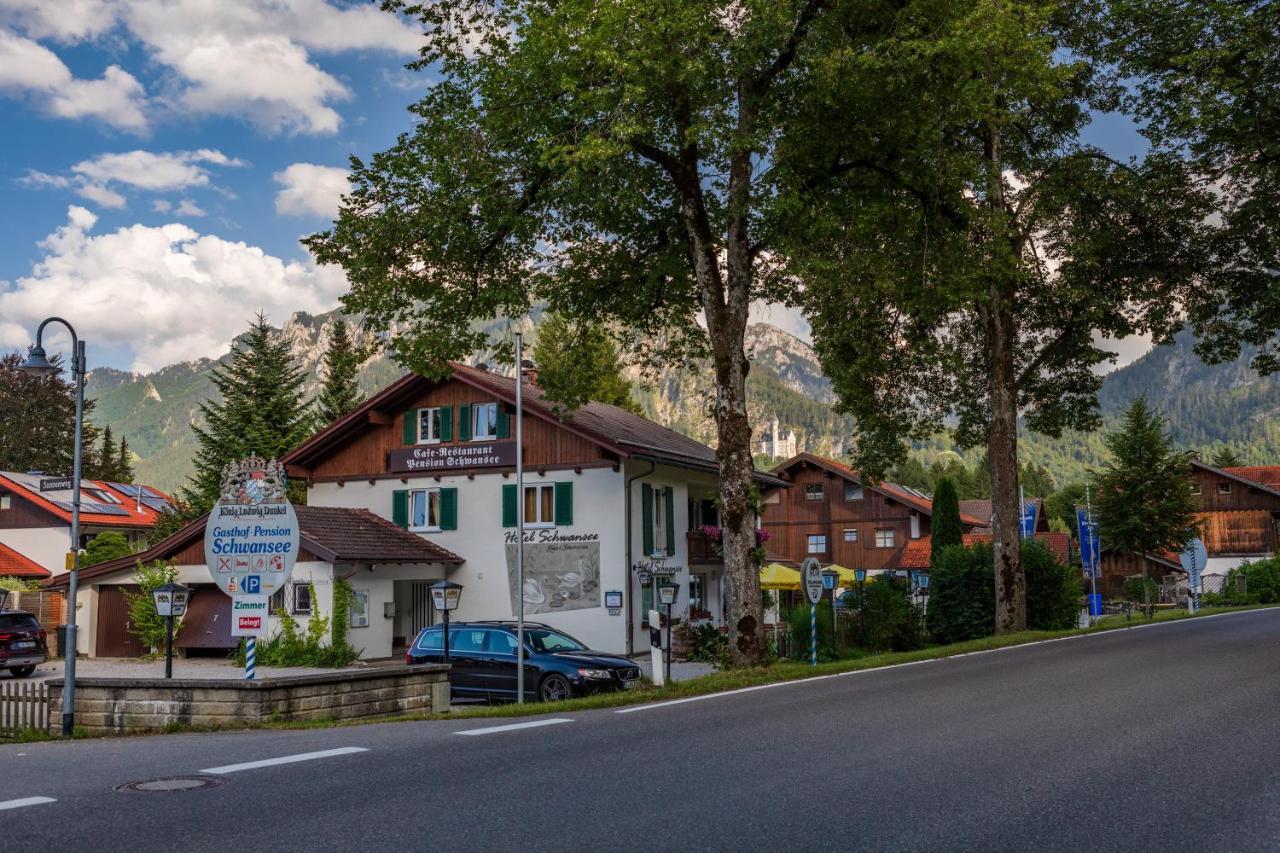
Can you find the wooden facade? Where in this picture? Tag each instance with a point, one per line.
(791, 516)
(1238, 517)
(1115, 568)
(23, 513)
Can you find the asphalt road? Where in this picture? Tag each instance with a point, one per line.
(1160, 738)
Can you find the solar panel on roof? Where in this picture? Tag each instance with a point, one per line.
(101, 509)
(155, 504)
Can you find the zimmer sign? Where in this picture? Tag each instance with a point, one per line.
(251, 537)
(448, 457)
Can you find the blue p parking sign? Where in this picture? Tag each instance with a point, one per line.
(251, 585)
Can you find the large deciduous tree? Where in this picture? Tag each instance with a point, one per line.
(968, 253)
(605, 158)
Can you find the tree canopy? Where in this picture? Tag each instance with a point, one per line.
(577, 362)
(340, 393)
(38, 417)
(944, 526)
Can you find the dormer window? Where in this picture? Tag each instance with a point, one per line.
(430, 426)
(1224, 488)
(6, 500)
(813, 492)
(852, 491)
(484, 420)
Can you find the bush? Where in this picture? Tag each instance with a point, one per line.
(1133, 589)
(291, 646)
(886, 618)
(1262, 580)
(107, 545)
(705, 642)
(797, 618)
(962, 600)
(144, 622)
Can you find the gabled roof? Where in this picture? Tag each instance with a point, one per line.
(1234, 474)
(101, 503)
(334, 534)
(15, 565)
(1266, 475)
(918, 553)
(619, 431)
(981, 508)
(902, 494)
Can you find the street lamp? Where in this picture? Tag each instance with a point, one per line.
(667, 596)
(831, 580)
(445, 596)
(171, 601)
(860, 575)
(38, 363)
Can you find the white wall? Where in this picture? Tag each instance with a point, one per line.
(481, 540)
(47, 546)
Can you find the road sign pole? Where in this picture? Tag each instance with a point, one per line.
(520, 516)
(813, 632)
(168, 646)
(250, 658)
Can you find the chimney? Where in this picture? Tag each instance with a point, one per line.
(529, 371)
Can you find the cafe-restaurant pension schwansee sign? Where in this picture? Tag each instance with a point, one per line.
(448, 457)
(251, 538)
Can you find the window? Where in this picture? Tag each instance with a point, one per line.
(660, 521)
(852, 491)
(502, 643)
(1195, 488)
(430, 426)
(6, 500)
(813, 492)
(540, 505)
(431, 640)
(301, 599)
(1224, 488)
(544, 640)
(817, 543)
(468, 640)
(358, 616)
(851, 534)
(424, 509)
(884, 537)
(484, 420)
(697, 593)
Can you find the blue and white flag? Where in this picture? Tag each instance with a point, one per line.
(1028, 520)
(1089, 551)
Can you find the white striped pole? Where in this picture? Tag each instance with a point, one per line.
(250, 656)
(813, 632)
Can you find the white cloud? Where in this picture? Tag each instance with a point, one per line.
(188, 208)
(310, 190)
(67, 21)
(166, 293)
(102, 195)
(31, 70)
(141, 170)
(161, 206)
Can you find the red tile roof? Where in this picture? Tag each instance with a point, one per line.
(134, 514)
(15, 565)
(918, 551)
(902, 494)
(1267, 475)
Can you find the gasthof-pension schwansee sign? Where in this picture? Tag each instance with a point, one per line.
(251, 538)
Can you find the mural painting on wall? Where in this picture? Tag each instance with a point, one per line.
(558, 576)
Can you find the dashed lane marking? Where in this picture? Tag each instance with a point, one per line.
(284, 759)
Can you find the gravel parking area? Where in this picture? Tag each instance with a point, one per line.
(197, 668)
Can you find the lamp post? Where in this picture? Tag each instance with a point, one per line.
(171, 601)
(38, 363)
(830, 580)
(860, 575)
(445, 596)
(667, 596)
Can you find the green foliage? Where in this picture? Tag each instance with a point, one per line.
(1053, 590)
(109, 461)
(1061, 507)
(1143, 501)
(1262, 582)
(107, 545)
(962, 604)
(340, 393)
(579, 361)
(706, 642)
(261, 412)
(887, 619)
(945, 524)
(144, 622)
(341, 612)
(322, 643)
(12, 584)
(1133, 589)
(796, 616)
(38, 413)
(1226, 457)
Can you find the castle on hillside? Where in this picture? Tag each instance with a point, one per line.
(776, 441)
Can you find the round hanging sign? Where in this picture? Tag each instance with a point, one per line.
(251, 537)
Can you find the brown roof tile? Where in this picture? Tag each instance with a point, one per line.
(357, 535)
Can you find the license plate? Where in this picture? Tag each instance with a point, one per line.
(26, 644)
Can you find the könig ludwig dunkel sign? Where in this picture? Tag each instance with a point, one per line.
(251, 539)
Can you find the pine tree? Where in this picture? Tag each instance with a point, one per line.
(261, 411)
(1226, 457)
(580, 362)
(100, 464)
(124, 463)
(945, 525)
(1143, 501)
(38, 418)
(340, 393)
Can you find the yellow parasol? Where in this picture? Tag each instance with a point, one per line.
(847, 576)
(778, 576)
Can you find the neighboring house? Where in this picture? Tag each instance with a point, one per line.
(918, 553)
(833, 513)
(377, 558)
(1114, 568)
(776, 441)
(35, 514)
(1239, 513)
(982, 509)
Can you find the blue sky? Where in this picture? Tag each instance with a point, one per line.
(161, 158)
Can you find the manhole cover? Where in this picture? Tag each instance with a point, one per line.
(170, 785)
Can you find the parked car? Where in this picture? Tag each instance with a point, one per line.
(556, 666)
(23, 643)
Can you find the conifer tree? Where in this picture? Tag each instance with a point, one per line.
(1226, 457)
(578, 362)
(260, 411)
(38, 417)
(945, 525)
(340, 393)
(1144, 503)
(124, 463)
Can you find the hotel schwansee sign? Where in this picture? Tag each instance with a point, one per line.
(251, 538)
(450, 457)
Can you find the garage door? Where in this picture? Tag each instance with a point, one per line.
(115, 637)
(207, 623)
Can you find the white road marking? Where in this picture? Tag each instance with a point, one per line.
(511, 727)
(634, 708)
(25, 801)
(284, 759)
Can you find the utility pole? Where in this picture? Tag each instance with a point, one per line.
(519, 515)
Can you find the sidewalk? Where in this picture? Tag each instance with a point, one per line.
(139, 668)
(680, 670)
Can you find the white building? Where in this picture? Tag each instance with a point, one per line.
(776, 441)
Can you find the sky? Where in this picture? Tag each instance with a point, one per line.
(160, 159)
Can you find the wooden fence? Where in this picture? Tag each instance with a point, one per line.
(24, 705)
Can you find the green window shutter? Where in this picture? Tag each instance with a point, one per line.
(510, 506)
(400, 507)
(564, 504)
(671, 520)
(464, 423)
(504, 423)
(411, 426)
(646, 517)
(446, 423)
(448, 509)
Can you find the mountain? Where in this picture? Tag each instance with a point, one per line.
(1207, 406)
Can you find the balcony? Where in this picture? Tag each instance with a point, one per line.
(702, 550)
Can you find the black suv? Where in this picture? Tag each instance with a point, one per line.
(556, 666)
(23, 644)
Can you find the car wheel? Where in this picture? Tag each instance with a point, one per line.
(554, 688)
(23, 671)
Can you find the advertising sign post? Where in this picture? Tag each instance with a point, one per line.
(251, 545)
(1194, 558)
(171, 600)
(811, 569)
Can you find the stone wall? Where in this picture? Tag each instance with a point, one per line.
(122, 705)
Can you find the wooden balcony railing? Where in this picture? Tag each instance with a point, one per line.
(702, 550)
